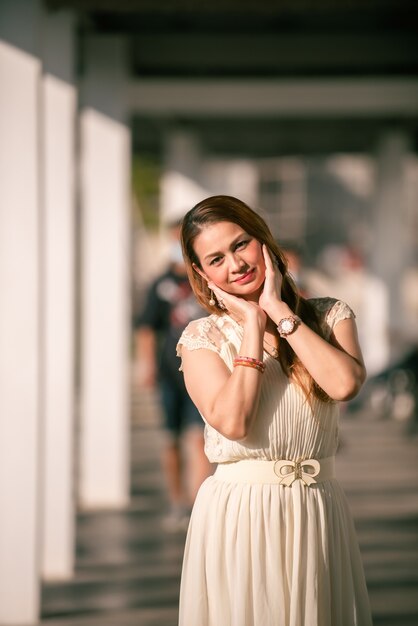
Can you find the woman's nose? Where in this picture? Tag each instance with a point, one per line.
(237, 263)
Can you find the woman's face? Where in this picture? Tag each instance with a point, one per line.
(231, 259)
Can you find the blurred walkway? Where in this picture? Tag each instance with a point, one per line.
(378, 468)
(128, 568)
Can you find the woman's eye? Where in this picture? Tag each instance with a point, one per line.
(242, 244)
(216, 260)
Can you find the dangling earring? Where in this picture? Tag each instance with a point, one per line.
(212, 301)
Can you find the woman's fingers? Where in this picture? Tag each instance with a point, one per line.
(268, 260)
(221, 295)
(267, 257)
(217, 290)
(271, 265)
(234, 304)
(273, 282)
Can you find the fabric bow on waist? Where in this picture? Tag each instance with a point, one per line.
(290, 471)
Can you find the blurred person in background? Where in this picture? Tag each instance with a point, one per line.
(170, 305)
(344, 274)
(271, 540)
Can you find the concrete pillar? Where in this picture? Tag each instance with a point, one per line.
(20, 290)
(390, 252)
(59, 110)
(105, 145)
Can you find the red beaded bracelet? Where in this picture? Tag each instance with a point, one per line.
(247, 364)
(248, 361)
(249, 358)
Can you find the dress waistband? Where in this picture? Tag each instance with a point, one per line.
(282, 472)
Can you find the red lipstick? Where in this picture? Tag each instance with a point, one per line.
(245, 278)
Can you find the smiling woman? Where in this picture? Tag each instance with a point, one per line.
(222, 241)
(237, 258)
(271, 540)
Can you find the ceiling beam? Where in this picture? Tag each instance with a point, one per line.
(375, 97)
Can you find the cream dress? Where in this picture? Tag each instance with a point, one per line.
(263, 554)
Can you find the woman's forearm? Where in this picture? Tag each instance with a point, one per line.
(234, 408)
(340, 372)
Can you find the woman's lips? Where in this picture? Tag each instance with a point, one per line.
(247, 277)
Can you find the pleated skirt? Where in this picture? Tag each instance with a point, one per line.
(271, 555)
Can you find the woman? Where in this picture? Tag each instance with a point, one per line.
(271, 540)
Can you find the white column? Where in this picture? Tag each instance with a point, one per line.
(19, 313)
(390, 248)
(59, 110)
(105, 143)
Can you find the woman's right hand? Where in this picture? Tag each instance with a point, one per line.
(242, 310)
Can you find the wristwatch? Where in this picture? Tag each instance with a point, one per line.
(288, 325)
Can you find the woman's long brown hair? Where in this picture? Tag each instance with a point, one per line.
(229, 209)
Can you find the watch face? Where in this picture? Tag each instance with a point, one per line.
(286, 326)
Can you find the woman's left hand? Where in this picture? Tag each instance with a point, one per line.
(271, 293)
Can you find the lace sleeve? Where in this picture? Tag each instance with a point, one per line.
(331, 312)
(338, 312)
(201, 333)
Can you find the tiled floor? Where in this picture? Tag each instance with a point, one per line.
(128, 567)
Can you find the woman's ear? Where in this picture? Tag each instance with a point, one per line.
(199, 271)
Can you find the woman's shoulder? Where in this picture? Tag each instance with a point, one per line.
(202, 325)
(331, 311)
(205, 332)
